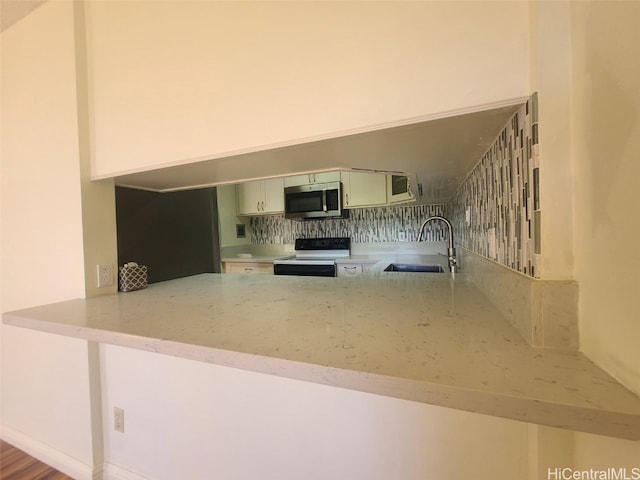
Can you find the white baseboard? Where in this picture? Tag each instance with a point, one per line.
(113, 472)
(60, 461)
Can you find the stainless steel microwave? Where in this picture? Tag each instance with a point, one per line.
(318, 200)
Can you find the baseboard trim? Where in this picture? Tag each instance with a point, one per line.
(60, 461)
(114, 472)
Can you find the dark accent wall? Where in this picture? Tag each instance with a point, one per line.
(174, 234)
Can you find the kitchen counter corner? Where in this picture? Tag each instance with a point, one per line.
(429, 338)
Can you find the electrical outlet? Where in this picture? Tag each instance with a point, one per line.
(118, 419)
(105, 275)
(402, 236)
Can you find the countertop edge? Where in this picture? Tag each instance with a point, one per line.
(590, 420)
(256, 259)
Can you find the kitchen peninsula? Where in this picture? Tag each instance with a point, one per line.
(428, 338)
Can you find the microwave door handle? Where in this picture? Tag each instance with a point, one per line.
(324, 200)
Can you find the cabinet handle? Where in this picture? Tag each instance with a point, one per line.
(350, 270)
(347, 198)
(258, 206)
(248, 269)
(263, 206)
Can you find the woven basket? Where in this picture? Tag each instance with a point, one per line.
(133, 278)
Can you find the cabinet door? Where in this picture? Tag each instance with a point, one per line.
(297, 180)
(249, 197)
(322, 177)
(326, 177)
(364, 189)
(273, 192)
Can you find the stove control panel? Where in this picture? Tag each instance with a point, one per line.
(330, 243)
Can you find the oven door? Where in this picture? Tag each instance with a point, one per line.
(305, 269)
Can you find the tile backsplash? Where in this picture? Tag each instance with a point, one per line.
(364, 225)
(500, 197)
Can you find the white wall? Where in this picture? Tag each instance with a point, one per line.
(42, 224)
(606, 149)
(606, 145)
(227, 218)
(45, 399)
(1, 235)
(98, 198)
(550, 69)
(187, 419)
(176, 81)
(599, 453)
(45, 381)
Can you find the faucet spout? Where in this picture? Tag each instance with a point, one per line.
(451, 251)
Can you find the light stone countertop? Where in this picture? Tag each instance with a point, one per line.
(377, 262)
(380, 258)
(427, 337)
(365, 258)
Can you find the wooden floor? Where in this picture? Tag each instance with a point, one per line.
(17, 465)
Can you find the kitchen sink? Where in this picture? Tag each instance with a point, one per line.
(408, 267)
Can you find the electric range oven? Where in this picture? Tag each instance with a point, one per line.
(315, 257)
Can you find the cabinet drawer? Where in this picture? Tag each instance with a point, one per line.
(349, 269)
(248, 268)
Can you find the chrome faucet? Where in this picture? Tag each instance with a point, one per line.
(451, 251)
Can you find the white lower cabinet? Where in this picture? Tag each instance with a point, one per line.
(248, 268)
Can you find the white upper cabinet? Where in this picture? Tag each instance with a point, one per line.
(261, 197)
(361, 189)
(249, 197)
(310, 178)
(325, 177)
(297, 180)
(273, 195)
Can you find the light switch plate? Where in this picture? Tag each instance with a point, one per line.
(118, 419)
